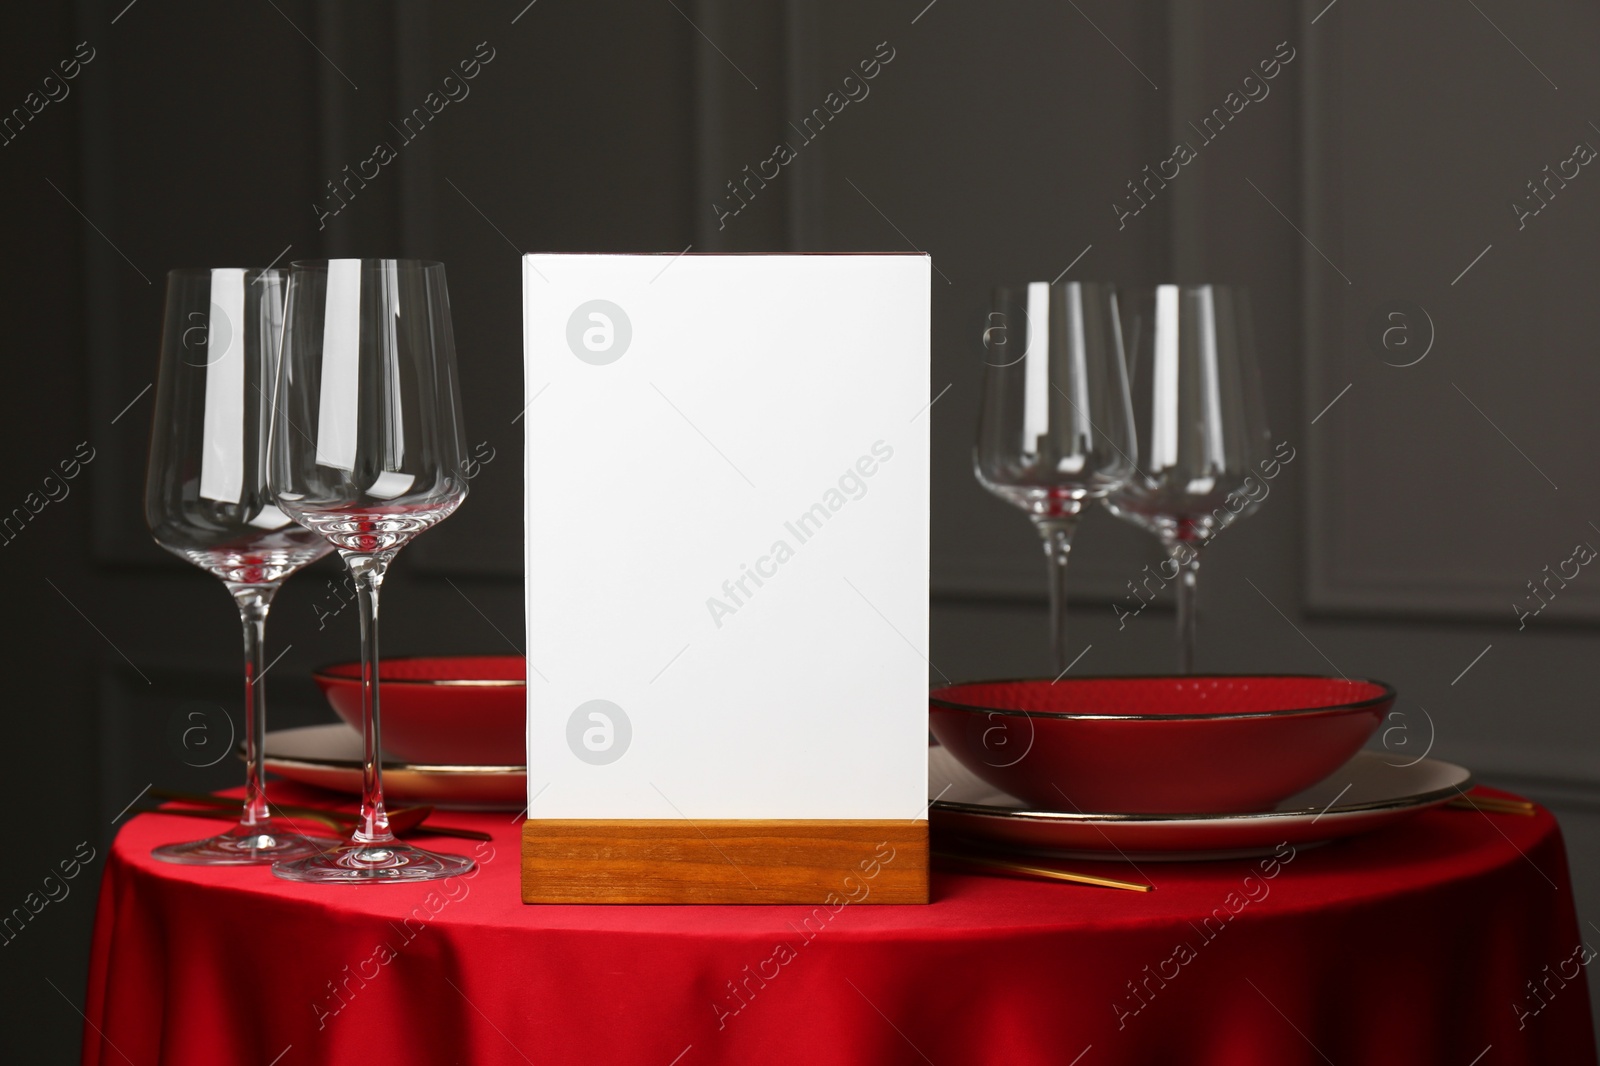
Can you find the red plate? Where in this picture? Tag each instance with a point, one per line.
(442, 710)
(1157, 745)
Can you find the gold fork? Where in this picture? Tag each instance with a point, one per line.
(401, 819)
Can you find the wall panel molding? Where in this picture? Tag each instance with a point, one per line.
(1383, 457)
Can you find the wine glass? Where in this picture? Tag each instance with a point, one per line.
(1055, 429)
(206, 500)
(367, 452)
(1202, 428)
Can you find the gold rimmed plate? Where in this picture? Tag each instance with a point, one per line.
(329, 756)
(1370, 792)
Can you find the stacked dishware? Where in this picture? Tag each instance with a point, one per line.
(1149, 402)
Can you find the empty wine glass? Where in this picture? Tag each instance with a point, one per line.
(206, 499)
(367, 451)
(1055, 429)
(1202, 427)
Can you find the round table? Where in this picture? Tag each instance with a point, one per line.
(1450, 939)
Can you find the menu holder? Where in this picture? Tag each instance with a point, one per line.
(727, 559)
(731, 860)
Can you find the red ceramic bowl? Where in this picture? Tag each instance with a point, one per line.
(442, 711)
(1210, 744)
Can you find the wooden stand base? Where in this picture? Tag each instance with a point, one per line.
(726, 861)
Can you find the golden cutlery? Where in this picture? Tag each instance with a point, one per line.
(401, 819)
(232, 815)
(1045, 872)
(1494, 805)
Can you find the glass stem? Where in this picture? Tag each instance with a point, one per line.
(367, 571)
(1057, 534)
(254, 601)
(1186, 556)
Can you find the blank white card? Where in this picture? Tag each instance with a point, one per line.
(727, 535)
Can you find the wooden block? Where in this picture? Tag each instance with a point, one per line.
(724, 861)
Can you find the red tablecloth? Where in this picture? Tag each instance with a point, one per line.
(1428, 943)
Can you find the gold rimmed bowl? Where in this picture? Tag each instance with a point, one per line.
(457, 710)
(1191, 744)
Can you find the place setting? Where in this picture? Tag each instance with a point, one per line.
(453, 733)
(729, 734)
(1145, 401)
(1148, 402)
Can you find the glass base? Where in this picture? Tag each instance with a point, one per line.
(387, 862)
(244, 846)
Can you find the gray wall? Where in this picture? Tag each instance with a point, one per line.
(998, 138)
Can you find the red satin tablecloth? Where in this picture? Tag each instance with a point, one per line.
(1451, 939)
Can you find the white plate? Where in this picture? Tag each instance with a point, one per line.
(329, 756)
(1366, 793)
